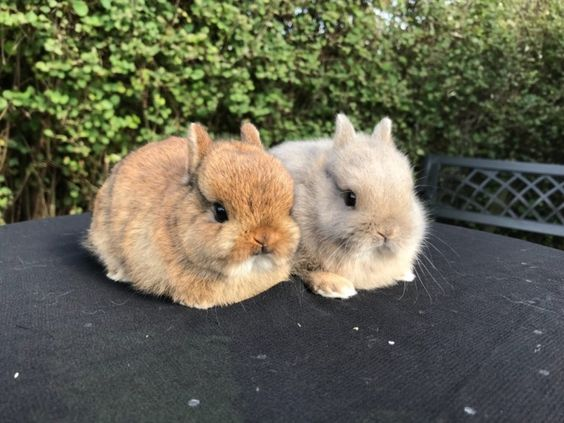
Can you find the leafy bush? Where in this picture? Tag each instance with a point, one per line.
(84, 82)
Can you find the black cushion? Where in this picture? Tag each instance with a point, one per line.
(480, 334)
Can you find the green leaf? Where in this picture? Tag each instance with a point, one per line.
(80, 8)
(197, 74)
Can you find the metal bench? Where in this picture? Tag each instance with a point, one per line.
(509, 194)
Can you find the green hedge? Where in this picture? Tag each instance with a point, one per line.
(84, 82)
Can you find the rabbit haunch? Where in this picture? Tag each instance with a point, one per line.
(205, 223)
(361, 223)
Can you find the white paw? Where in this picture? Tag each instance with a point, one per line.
(118, 276)
(200, 306)
(407, 277)
(343, 292)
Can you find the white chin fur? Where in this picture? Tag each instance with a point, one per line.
(253, 265)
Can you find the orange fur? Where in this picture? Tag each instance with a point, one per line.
(153, 222)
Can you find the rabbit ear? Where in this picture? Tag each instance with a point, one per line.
(199, 143)
(250, 134)
(383, 131)
(344, 131)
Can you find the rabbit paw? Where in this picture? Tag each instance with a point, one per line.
(198, 305)
(407, 277)
(117, 276)
(331, 285)
(193, 301)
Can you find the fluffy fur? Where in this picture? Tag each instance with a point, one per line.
(153, 223)
(371, 245)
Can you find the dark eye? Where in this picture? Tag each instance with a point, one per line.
(350, 198)
(219, 212)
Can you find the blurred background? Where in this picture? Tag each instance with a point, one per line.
(84, 82)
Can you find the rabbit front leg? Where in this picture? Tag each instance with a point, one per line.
(203, 294)
(405, 272)
(192, 291)
(117, 274)
(330, 285)
(408, 276)
(189, 299)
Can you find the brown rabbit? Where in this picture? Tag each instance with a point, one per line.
(205, 223)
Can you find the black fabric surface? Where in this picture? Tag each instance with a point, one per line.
(479, 336)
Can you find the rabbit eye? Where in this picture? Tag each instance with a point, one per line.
(219, 212)
(350, 198)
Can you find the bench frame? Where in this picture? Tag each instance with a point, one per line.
(490, 170)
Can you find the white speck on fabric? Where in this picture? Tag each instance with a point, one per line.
(469, 410)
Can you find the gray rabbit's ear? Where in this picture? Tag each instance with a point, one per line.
(199, 143)
(383, 131)
(344, 131)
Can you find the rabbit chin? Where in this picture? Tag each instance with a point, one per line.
(254, 265)
(368, 250)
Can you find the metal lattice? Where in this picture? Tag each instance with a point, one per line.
(517, 195)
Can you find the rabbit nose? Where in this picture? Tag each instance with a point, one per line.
(383, 235)
(262, 242)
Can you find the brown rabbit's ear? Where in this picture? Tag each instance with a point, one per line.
(250, 134)
(344, 131)
(383, 131)
(199, 143)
